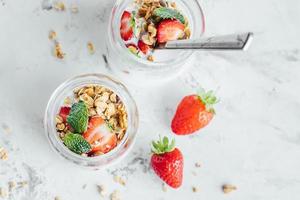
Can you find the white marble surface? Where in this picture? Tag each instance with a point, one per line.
(253, 142)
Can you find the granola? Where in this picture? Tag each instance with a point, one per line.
(119, 180)
(91, 47)
(3, 154)
(74, 9)
(102, 190)
(228, 188)
(115, 195)
(95, 117)
(3, 192)
(195, 189)
(147, 24)
(59, 6)
(52, 35)
(58, 53)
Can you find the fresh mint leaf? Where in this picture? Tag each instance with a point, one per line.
(78, 118)
(76, 143)
(168, 13)
(132, 20)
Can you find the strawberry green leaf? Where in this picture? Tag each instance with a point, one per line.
(163, 146)
(168, 13)
(172, 145)
(165, 141)
(208, 98)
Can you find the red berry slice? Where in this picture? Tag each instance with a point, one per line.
(126, 29)
(143, 47)
(99, 136)
(169, 30)
(64, 113)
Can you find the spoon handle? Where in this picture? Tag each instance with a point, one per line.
(225, 42)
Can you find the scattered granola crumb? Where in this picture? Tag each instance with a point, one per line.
(173, 5)
(119, 180)
(228, 188)
(62, 135)
(58, 119)
(150, 58)
(195, 189)
(3, 154)
(11, 185)
(57, 198)
(59, 6)
(6, 128)
(22, 183)
(187, 32)
(102, 190)
(91, 47)
(60, 126)
(115, 195)
(74, 9)
(164, 187)
(52, 35)
(58, 53)
(3, 192)
(194, 173)
(197, 164)
(68, 101)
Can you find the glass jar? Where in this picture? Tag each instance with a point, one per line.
(130, 67)
(66, 89)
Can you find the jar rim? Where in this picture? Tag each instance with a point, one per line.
(57, 143)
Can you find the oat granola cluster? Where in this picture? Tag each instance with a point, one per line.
(100, 102)
(105, 103)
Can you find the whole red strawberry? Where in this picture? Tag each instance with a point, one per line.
(193, 113)
(167, 162)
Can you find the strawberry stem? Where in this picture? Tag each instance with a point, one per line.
(163, 145)
(208, 98)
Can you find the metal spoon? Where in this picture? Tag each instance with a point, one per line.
(226, 42)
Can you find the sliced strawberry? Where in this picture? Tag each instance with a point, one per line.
(169, 29)
(99, 136)
(126, 28)
(143, 47)
(64, 112)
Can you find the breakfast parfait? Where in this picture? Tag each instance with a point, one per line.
(92, 121)
(146, 24)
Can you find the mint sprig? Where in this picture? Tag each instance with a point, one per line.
(132, 19)
(78, 117)
(168, 13)
(163, 145)
(76, 143)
